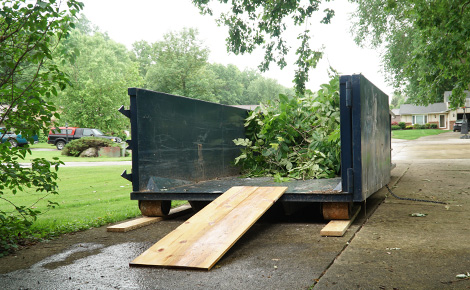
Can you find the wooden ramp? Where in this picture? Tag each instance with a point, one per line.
(203, 239)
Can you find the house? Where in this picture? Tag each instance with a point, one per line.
(396, 117)
(437, 113)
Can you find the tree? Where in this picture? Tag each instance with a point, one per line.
(256, 23)
(228, 88)
(425, 45)
(180, 66)
(397, 100)
(262, 90)
(100, 76)
(142, 53)
(29, 34)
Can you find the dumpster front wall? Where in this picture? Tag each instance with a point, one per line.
(182, 139)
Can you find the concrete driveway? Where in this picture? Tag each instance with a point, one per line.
(386, 248)
(437, 147)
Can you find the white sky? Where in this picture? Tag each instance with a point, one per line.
(129, 21)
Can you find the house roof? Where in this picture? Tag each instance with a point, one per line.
(447, 95)
(407, 109)
(396, 112)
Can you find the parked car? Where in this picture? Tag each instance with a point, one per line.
(23, 141)
(458, 125)
(8, 136)
(63, 135)
(15, 139)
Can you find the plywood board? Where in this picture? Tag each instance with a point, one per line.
(144, 221)
(133, 224)
(203, 239)
(337, 228)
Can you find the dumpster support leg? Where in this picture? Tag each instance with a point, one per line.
(337, 210)
(155, 208)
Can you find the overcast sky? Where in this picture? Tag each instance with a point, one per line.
(129, 21)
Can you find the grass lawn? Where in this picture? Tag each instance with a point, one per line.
(413, 134)
(42, 145)
(88, 197)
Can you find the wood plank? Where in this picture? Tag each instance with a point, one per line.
(191, 229)
(202, 240)
(133, 224)
(337, 228)
(144, 221)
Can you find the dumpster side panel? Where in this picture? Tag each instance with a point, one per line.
(345, 91)
(181, 140)
(370, 123)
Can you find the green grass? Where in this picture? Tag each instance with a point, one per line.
(413, 134)
(88, 197)
(42, 145)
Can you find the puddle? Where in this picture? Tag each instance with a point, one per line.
(78, 251)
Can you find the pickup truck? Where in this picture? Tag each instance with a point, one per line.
(458, 125)
(63, 135)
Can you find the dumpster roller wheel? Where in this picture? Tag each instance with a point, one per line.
(337, 210)
(198, 205)
(155, 208)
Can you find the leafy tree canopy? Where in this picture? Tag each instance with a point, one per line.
(398, 99)
(29, 34)
(426, 45)
(179, 65)
(100, 76)
(256, 23)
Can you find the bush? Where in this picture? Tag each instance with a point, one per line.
(396, 127)
(427, 126)
(296, 137)
(433, 126)
(418, 126)
(408, 127)
(75, 147)
(402, 125)
(394, 123)
(42, 137)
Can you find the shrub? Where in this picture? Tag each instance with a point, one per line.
(75, 147)
(394, 123)
(402, 125)
(42, 138)
(296, 137)
(418, 126)
(427, 126)
(396, 127)
(408, 127)
(433, 126)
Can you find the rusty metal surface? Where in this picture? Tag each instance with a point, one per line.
(336, 210)
(154, 208)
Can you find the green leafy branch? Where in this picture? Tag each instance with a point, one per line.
(296, 137)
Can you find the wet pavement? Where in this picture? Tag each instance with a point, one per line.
(396, 250)
(386, 247)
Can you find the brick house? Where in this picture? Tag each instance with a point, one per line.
(437, 113)
(395, 115)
